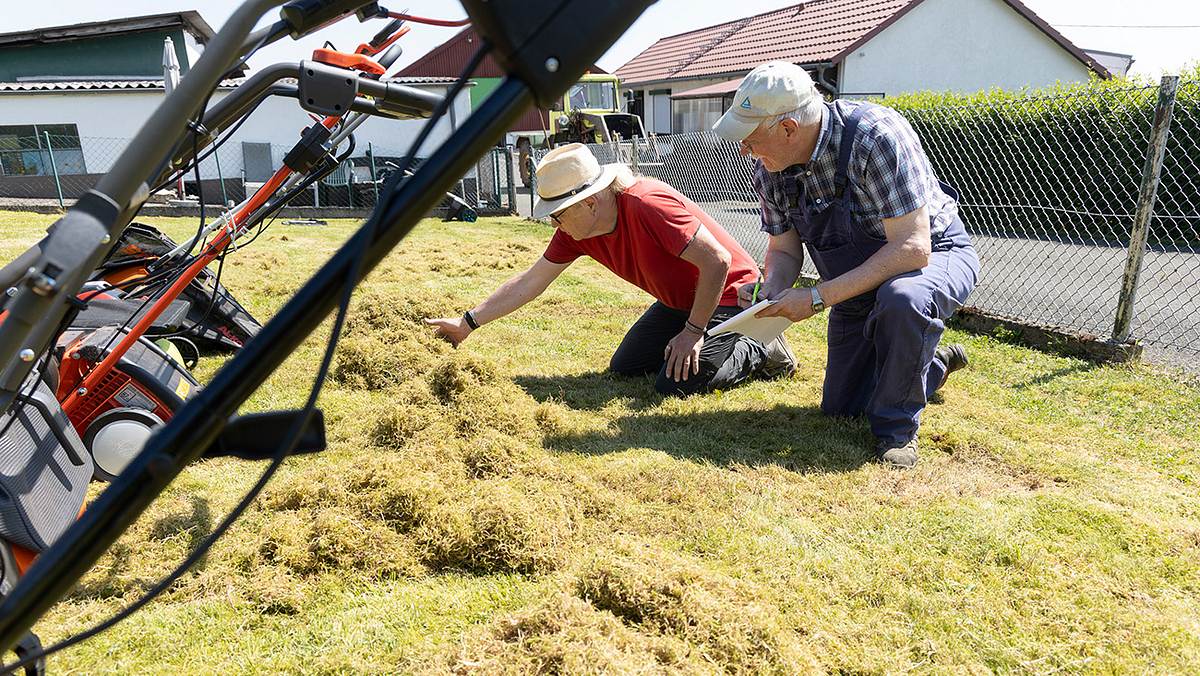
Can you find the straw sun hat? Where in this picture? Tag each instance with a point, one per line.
(569, 174)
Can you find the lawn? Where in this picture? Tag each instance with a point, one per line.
(510, 507)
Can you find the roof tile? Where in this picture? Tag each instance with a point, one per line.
(809, 32)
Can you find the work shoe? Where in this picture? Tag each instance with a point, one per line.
(780, 362)
(893, 454)
(954, 357)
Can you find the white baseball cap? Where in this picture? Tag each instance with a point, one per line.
(770, 90)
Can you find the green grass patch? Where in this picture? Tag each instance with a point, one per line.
(510, 507)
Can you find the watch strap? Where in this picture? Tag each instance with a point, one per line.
(818, 303)
(470, 320)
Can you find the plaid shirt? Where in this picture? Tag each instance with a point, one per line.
(889, 174)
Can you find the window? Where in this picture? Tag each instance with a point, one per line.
(593, 95)
(24, 150)
(695, 114)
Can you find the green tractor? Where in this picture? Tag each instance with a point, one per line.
(589, 113)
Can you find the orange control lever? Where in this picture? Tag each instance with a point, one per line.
(357, 62)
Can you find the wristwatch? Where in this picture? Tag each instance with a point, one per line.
(818, 305)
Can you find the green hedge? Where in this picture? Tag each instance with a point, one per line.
(1063, 162)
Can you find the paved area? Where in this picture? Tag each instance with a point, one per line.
(1066, 286)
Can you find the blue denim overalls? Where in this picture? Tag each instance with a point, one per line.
(881, 343)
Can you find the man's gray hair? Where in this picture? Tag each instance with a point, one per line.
(806, 115)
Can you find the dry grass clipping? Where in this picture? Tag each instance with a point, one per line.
(719, 616)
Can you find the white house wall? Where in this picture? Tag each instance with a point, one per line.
(674, 87)
(959, 46)
(192, 48)
(107, 120)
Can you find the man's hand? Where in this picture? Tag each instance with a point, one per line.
(453, 331)
(746, 295)
(795, 304)
(683, 355)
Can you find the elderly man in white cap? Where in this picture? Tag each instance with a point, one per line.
(851, 183)
(655, 238)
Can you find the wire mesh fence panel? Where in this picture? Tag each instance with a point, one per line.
(39, 170)
(711, 173)
(1048, 188)
(36, 176)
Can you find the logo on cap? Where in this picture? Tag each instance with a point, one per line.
(746, 103)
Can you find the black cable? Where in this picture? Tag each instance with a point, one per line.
(212, 302)
(351, 281)
(451, 94)
(123, 329)
(272, 207)
(162, 166)
(221, 141)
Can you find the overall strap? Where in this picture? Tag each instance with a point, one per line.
(841, 177)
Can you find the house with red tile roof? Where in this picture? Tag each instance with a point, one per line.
(449, 58)
(853, 48)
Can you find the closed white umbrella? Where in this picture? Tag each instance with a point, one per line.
(170, 79)
(170, 66)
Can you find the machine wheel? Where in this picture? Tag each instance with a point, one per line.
(116, 437)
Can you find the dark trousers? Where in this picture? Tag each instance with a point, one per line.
(882, 362)
(725, 360)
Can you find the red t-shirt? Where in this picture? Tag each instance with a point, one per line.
(655, 223)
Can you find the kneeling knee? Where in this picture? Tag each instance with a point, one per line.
(668, 388)
(897, 298)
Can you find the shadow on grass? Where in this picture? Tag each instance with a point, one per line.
(798, 439)
(117, 578)
(1045, 378)
(592, 391)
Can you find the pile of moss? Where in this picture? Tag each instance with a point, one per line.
(439, 465)
(637, 609)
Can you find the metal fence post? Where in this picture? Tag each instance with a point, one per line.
(496, 174)
(221, 178)
(350, 183)
(54, 169)
(374, 178)
(633, 148)
(511, 187)
(532, 184)
(1147, 195)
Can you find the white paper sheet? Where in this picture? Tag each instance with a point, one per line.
(763, 330)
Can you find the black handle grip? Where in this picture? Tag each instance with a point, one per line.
(393, 99)
(383, 35)
(306, 16)
(256, 436)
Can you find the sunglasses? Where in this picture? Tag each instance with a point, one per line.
(556, 217)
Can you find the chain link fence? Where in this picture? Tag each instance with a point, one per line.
(57, 170)
(1052, 186)
(1055, 189)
